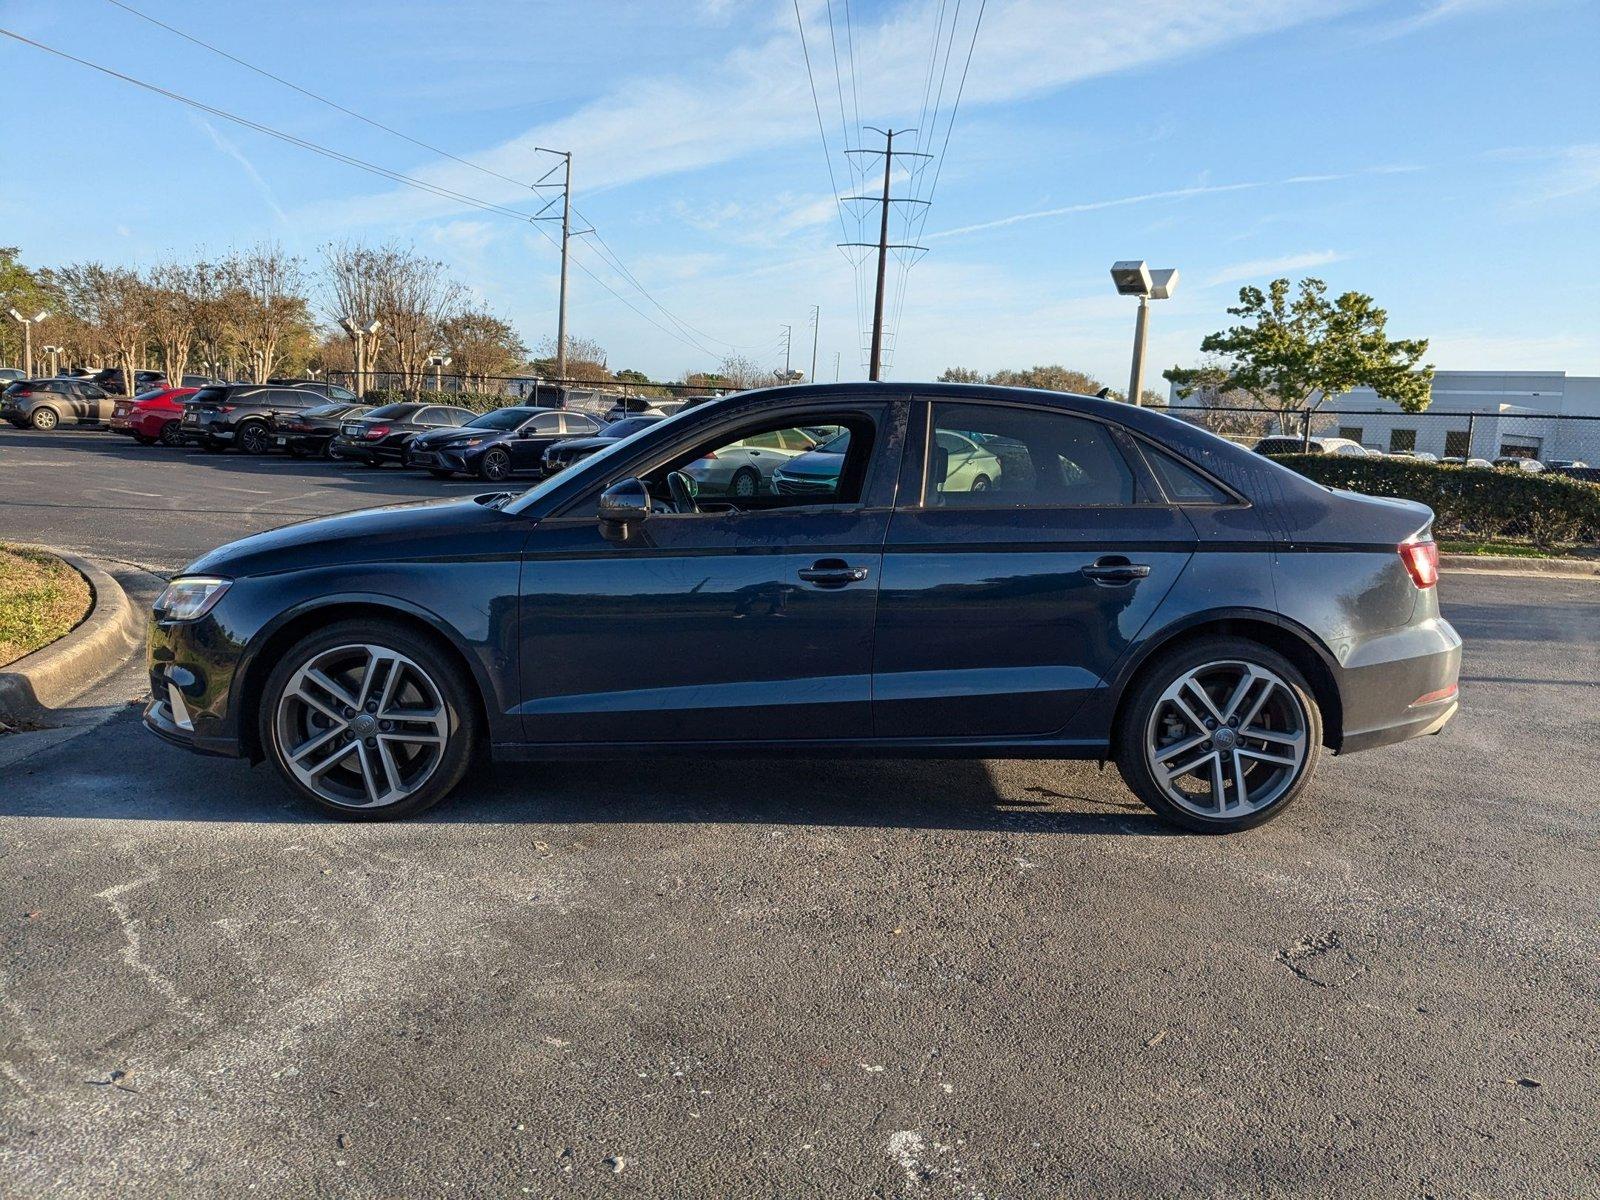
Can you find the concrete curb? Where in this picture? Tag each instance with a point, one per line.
(52, 677)
(1491, 564)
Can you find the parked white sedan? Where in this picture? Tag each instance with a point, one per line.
(745, 468)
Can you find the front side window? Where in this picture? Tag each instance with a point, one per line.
(996, 456)
(544, 423)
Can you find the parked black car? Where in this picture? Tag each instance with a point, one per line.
(575, 449)
(240, 414)
(498, 444)
(311, 431)
(114, 382)
(46, 403)
(382, 434)
(1118, 588)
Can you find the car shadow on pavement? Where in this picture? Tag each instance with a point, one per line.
(119, 772)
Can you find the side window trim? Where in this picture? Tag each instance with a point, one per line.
(1145, 492)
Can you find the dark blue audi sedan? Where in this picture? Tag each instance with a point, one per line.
(986, 572)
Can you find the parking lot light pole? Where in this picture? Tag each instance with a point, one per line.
(361, 334)
(439, 362)
(1134, 278)
(55, 358)
(27, 324)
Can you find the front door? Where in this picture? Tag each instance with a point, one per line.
(1024, 557)
(531, 441)
(723, 620)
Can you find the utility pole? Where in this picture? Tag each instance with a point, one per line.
(788, 338)
(816, 329)
(836, 366)
(882, 245)
(565, 166)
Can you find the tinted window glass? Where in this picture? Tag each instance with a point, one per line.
(339, 393)
(545, 423)
(500, 418)
(990, 456)
(630, 426)
(1182, 483)
(289, 398)
(578, 423)
(208, 395)
(393, 412)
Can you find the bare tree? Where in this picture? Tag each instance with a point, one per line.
(173, 302)
(112, 305)
(218, 305)
(414, 302)
(273, 304)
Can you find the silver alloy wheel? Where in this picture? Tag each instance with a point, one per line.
(362, 726)
(746, 483)
(1226, 739)
(496, 465)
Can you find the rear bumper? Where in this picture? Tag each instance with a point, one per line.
(1401, 685)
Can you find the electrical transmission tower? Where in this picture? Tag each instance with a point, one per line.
(883, 245)
(567, 233)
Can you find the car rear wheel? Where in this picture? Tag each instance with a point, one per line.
(1219, 735)
(45, 419)
(254, 438)
(369, 721)
(496, 465)
(171, 435)
(745, 482)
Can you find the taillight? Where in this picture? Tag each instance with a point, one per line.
(709, 456)
(1422, 560)
(226, 407)
(20, 395)
(376, 432)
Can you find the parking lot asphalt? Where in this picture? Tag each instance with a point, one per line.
(820, 978)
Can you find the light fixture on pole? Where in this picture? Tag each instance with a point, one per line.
(1134, 278)
(27, 324)
(360, 334)
(55, 358)
(439, 362)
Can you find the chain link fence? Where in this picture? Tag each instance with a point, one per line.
(1564, 443)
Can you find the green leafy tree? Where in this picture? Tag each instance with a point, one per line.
(1050, 379)
(1295, 350)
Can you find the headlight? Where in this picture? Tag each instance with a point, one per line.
(190, 597)
(473, 442)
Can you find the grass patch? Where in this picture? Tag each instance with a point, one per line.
(1510, 549)
(41, 598)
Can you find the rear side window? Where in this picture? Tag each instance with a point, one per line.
(1182, 483)
(545, 423)
(993, 456)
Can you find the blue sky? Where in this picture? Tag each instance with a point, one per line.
(1443, 155)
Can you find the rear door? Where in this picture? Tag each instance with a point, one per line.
(1027, 550)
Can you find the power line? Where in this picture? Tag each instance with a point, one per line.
(349, 160)
(609, 254)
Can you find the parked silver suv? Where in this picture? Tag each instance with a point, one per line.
(47, 403)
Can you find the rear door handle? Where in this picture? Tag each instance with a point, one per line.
(832, 573)
(1114, 570)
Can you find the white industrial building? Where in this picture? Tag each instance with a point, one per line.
(1483, 414)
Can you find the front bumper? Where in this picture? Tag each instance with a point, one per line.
(192, 665)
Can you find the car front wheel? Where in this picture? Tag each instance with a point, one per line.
(369, 721)
(496, 465)
(1219, 735)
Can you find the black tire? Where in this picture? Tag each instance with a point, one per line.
(454, 688)
(1138, 710)
(495, 466)
(439, 473)
(980, 484)
(745, 483)
(171, 435)
(254, 438)
(328, 452)
(44, 419)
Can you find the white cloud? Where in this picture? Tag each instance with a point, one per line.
(758, 97)
(1184, 193)
(1263, 268)
(229, 148)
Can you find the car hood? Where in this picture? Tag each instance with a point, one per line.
(436, 438)
(397, 532)
(595, 442)
(814, 464)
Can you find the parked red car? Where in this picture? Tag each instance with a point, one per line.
(152, 417)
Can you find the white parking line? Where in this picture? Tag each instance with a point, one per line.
(129, 492)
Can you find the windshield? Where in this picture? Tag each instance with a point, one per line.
(390, 412)
(500, 418)
(628, 427)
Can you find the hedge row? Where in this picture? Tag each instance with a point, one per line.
(1550, 509)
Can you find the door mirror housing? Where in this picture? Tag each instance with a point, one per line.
(623, 505)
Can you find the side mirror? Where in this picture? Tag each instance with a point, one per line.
(623, 505)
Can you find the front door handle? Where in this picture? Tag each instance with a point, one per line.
(832, 573)
(1114, 570)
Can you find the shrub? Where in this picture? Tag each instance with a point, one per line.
(1472, 501)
